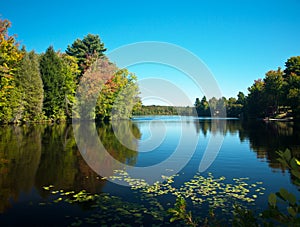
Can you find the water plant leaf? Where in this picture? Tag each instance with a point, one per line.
(292, 199)
(292, 211)
(284, 194)
(287, 154)
(296, 173)
(272, 200)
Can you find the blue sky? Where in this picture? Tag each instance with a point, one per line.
(239, 41)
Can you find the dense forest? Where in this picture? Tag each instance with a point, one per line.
(42, 87)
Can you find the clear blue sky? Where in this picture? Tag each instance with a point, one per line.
(238, 40)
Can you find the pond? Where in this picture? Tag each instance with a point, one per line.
(61, 175)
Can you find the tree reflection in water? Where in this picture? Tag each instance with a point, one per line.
(265, 138)
(33, 156)
(39, 155)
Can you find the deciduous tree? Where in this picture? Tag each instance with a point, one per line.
(10, 57)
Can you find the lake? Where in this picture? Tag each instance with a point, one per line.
(45, 168)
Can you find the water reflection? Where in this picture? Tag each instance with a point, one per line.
(20, 154)
(32, 156)
(39, 155)
(265, 138)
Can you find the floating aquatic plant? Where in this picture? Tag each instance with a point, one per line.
(200, 192)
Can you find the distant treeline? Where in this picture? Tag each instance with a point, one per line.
(42, 87)
(165, 110)
(277, 95)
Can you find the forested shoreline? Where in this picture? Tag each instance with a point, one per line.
(42, 87)
(276, 96)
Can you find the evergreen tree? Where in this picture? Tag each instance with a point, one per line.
(202, 107)
(52, 73)
(86, 51)
(197, 103)
(29, 82)
(241, 98)
(255, 107)
(292, 66)
(292, 85)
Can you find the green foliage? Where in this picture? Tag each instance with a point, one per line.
(292, 90)
(255, 100)
(274, 214)
(290, 162)
(52, 74)
(244, 217)
(118, 96)
(292, 66)
(202, 107)
(106, 92)
(58, 74)
(164, 110)
(273, 91)
(30, 85)
(86, 51)
(109, 209)
(234, 107)
(19, 160)
(91, 84)
(71, 71)
(278, 89)
(179, 212)
(265, 96)
(215, 107)
(45, 86)
(10, 57)
(241, 98)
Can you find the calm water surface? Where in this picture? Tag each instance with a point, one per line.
(33, 156)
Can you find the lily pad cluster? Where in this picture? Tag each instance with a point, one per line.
(200, 190)
(151, 202)
(107, 209)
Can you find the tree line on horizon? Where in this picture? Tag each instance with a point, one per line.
(42, 87)
(277, 95)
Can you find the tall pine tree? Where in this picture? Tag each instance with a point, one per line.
(58, 72)
(86, 51)
(52, 73)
